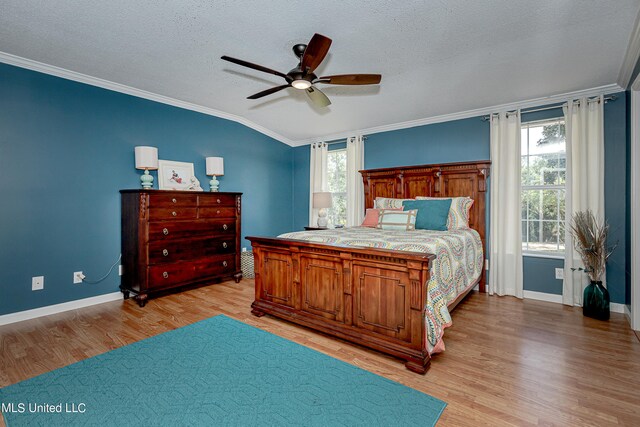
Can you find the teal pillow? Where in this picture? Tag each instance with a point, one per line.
(432, 214)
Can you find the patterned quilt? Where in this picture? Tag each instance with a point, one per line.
(458, 263)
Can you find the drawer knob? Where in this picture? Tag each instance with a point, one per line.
(224, 245)
(165, 275)
(224, 263)
(218, 212)
(218, 200)
(165, 252)
(224, 226)
(174, 200)
(174, 213)
(165, 231)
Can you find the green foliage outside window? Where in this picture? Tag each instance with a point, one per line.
(543, 187)
(337, 185)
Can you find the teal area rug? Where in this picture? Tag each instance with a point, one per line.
(215, 372)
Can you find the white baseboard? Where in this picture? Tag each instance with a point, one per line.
(58, 308)
(541, 296)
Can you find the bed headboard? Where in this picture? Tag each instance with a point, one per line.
(436, 180)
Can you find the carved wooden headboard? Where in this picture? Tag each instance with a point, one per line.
(437, 180)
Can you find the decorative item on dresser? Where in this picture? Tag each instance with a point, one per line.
(215, 167)
(172, 239)
(147, 159)
(174, 175)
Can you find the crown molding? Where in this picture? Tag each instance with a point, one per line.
(631, 56)
(30, 64)
(536, 102)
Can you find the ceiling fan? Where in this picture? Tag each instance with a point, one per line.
(302, 76)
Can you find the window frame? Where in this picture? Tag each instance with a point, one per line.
(543, 187)
(338, 150)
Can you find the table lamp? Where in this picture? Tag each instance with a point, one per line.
(215, 167)
(322, 200)
(147, 159)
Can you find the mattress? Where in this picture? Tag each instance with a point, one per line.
(458, 264)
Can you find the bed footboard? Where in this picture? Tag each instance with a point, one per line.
(371, 297)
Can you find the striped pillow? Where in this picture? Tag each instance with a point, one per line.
(388, 203)
(458, 213)
(397, 220)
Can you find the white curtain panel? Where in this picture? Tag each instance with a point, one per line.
(505, 273)
(318, 176)
(355, 185)
(584, 124)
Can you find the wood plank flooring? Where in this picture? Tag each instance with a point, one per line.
(507, 362)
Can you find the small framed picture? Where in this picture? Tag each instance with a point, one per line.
(174, 175)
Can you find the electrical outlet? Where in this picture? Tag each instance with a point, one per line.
(120, 269)
(486, 264)
(244, 249)
(77, 277)
(560, 273)
(37, 283)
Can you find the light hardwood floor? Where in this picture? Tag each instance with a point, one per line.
(507, 362)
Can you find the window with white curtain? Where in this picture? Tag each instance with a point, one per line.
(544, 163)
(337, 185)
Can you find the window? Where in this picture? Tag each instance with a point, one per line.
(544, 165)
(337, 185)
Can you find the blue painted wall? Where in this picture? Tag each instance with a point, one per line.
(301, 180)
(66, 149)
(467, 140)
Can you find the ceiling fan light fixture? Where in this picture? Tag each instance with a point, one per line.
(301, 84)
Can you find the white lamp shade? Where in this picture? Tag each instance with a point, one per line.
(322, 200)
(215, 166)
(146, 157)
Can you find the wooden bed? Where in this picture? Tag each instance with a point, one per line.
(372, 297)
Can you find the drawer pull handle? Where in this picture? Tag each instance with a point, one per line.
(174, 200)
(224, 245)
(224, 226)
(174, 213)
(218, 200)
(165, 275)
(218, 212)
(224, 263)
(165, 252)
(165, 231)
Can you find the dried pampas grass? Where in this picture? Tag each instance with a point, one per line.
(590, 240)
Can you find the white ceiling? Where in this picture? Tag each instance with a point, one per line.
(436, 56)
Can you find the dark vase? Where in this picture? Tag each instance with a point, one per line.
(596, 301)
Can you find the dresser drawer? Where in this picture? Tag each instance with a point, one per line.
(170, 274)
(169, 251)
(167, 230)
(217, 212)
(166, 275)
(216, 266)
(169, 200)
(217, 200)
(178, 212)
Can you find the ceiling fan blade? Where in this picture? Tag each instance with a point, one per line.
(351, 79)
(254, 66)
(315, 52)
(318, 97)
(268, 92)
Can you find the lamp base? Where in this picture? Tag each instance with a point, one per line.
(213, 184)
(146, 180)
(322, 218)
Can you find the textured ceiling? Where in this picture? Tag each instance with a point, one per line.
(436, 57)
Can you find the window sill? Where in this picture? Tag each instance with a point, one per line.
(542, 255)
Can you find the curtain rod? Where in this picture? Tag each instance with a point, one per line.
(336, 141)
(533, 109)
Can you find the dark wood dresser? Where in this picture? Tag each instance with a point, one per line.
(172, 239)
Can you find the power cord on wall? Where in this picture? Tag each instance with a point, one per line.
(84, 280)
